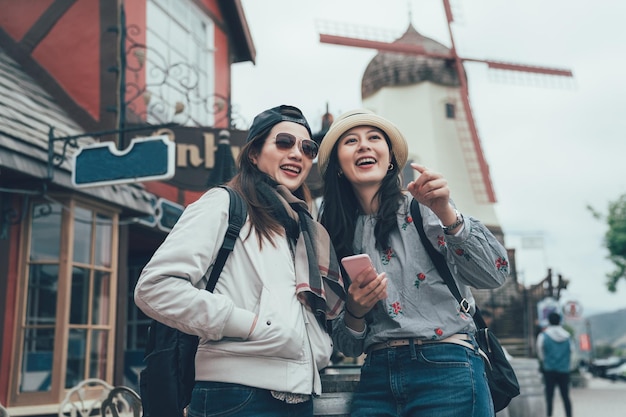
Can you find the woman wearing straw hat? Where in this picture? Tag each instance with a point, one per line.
(422, 359)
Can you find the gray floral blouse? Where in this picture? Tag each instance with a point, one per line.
(419, 303)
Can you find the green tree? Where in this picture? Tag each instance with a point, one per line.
(615, 239)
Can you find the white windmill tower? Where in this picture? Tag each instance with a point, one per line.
(421, 85)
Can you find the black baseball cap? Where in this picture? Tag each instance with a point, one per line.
(269, 118)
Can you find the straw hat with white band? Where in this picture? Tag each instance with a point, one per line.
(362, 117)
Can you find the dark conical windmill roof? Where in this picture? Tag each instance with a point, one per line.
(388, 69)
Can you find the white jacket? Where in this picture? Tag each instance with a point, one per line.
(287, 347)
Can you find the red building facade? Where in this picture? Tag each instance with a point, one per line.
(69, 257)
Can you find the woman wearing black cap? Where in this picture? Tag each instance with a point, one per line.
(422, 358)
(263, 334)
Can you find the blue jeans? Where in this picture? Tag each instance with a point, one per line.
(431, 380)
(211, 399)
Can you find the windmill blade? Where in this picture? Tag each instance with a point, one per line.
(500, 65)
(401, 48)
(448, 9)
(411, 49)
(370, 44)
(368, 37)
(509, 66)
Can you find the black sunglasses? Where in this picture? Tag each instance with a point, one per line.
(286, 141)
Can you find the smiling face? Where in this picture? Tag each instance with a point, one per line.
(288, 167)
(364, 156)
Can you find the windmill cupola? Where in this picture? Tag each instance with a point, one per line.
(391, 69)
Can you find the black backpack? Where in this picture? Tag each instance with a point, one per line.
(167, 381)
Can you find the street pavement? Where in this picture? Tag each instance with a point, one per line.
(601, 398)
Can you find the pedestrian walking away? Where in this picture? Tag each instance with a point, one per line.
(554, 349)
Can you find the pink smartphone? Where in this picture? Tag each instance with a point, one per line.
(356, 264)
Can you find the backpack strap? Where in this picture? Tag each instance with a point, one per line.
(435, 256)
(440, 263)
(236, 217)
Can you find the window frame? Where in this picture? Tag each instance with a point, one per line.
(62, 325)
(198, 45)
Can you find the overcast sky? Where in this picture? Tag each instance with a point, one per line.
(553, 146)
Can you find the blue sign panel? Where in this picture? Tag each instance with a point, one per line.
(168, 214)
(146, 159)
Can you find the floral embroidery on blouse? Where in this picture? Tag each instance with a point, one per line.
(395, 309)
(441, 241)
(420, 277)
(502, 264)
(386, 257)
(438, 333)
(407, 222)
(461, 252)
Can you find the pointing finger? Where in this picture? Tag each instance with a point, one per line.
(419, 168)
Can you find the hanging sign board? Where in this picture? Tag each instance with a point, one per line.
(145, 159)
(573, 310)
(166, 214)
(544, 308)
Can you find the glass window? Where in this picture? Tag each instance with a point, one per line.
(450, 111)
(82, 235)
(98, 358)
(104, 234)
(76, 347)
(46, 225)
(101, 297)
(69, 262)
(180, 63)
(41, 303)
(42, 290)
(36, 369)
(79, 302)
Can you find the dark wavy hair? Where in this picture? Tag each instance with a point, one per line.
(247, 182)
(340, 207)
